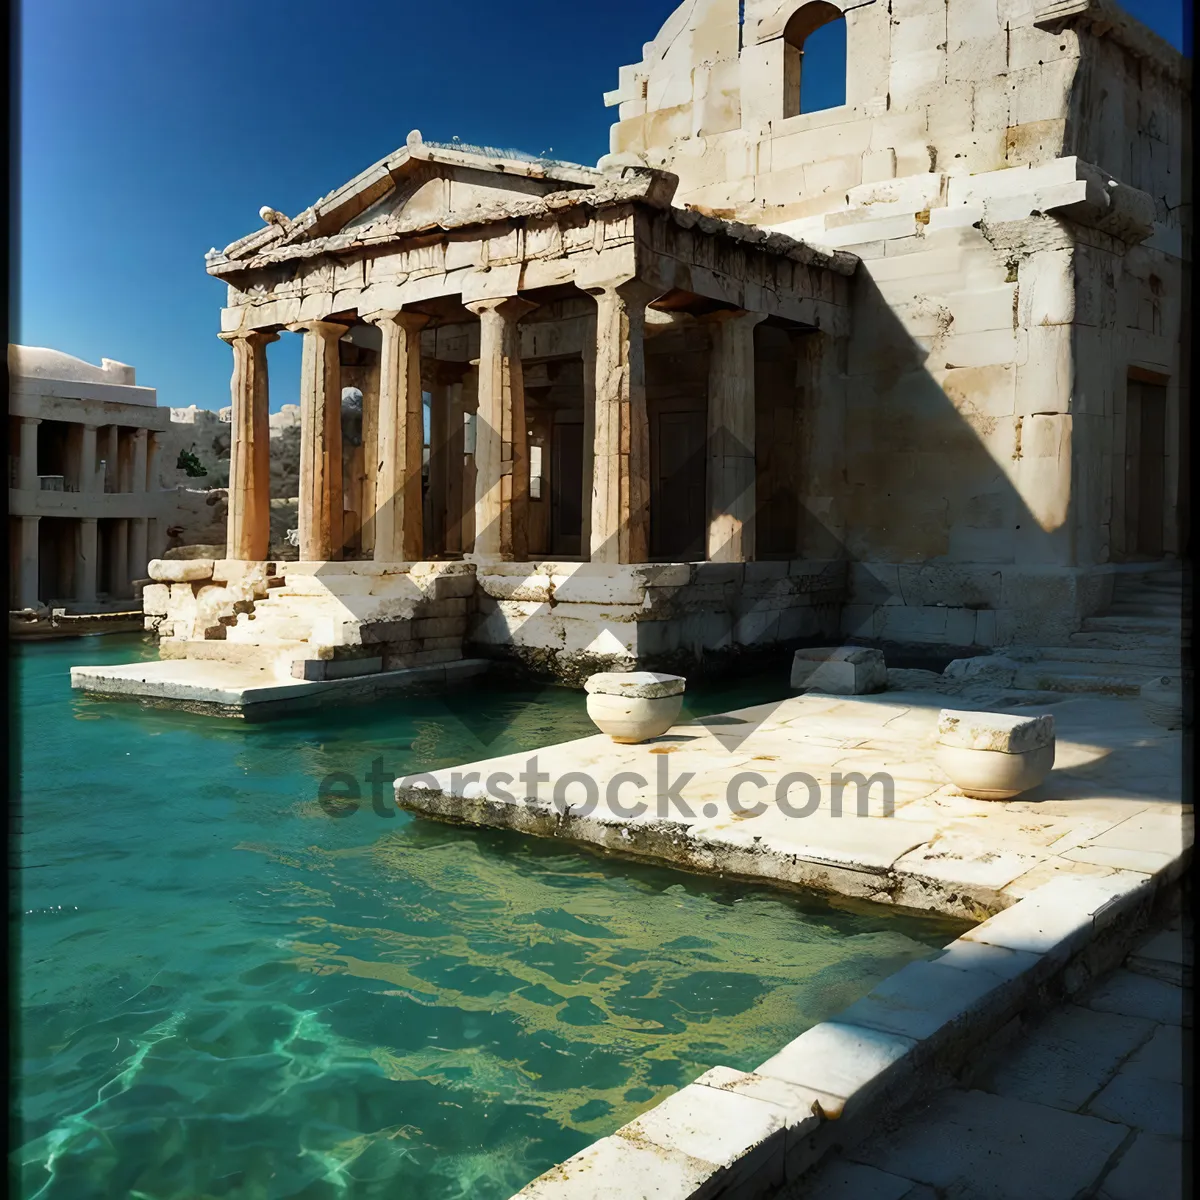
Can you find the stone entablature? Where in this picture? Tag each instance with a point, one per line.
(619, 229)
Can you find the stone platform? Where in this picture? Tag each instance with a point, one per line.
(232, 690)
(1111, 804)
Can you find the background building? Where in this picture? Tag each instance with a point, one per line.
(87, 506)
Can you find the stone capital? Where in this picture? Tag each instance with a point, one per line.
(739, 316)
(31, 420)
(406, 318)
(326, 329)
(635, 292)
(254, 337)
(511, 308)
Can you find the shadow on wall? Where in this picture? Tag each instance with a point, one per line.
(941, 482)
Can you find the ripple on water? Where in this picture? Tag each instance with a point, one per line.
(228, 993)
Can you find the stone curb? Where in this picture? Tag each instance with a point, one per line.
(732, 852)
(737, 1134)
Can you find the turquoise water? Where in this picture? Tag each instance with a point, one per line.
(228, 993)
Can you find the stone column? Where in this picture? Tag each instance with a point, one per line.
(446, 457)
(248, 537)
(27, 455)
(85, 566)
(399, 439)
(455, 493)
(368, 384)
(501, 437)
(731, 465)
(119, 583)
(587, 468)
(137, 482)
(87, 461)
(27, 574)
(620, 501)
(112, 441)
(320, 515)
(153, 450)
(124, 443)
(470, 403)
(138, 556)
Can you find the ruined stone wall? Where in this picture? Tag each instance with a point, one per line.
(1012, 185)
(932, 85)
(568, 620)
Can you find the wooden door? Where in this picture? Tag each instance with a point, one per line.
(677, 499)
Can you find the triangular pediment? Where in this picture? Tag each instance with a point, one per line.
(420, 182)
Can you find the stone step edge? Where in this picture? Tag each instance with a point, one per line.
(771, 1127)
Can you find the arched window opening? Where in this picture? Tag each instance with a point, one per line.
(814, 71)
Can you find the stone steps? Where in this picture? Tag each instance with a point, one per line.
(1105, 678)
(1130, 642)
(1147, 592)
(1159, 626)
(1052, 677)
(1142, 608)
(248, 654)
(1148, 658)
(270, 628)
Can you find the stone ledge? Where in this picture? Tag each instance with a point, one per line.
(231, 690)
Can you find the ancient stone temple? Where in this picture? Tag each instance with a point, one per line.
(905, 369)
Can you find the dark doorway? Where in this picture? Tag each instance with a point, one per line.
(566, 488)
(677, 500)
(1145, 468)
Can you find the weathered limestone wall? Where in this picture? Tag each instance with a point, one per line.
(1011, 180)
(570, 619)
(958, 85)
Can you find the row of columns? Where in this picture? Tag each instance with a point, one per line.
(131, 462)
(618, 523)
(129, 552)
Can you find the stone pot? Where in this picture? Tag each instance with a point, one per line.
(1162, 702)
(994, 756)
(994, 774)
(634, 706)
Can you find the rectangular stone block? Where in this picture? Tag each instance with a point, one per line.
(439, 627)
(847, 1062)
(155, 599)
(322, 669)
(839, 670)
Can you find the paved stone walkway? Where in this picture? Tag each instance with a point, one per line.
(1086, 1105)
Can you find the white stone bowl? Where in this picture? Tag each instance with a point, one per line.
(634, 706)
(994, 774)
(633, 719)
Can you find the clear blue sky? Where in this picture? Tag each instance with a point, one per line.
(152, 130)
